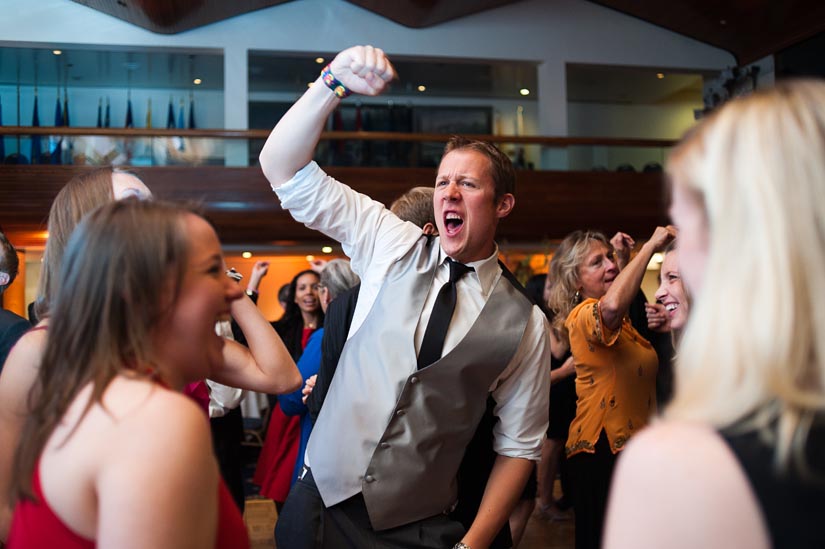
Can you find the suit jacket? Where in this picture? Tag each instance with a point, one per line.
(12, 328)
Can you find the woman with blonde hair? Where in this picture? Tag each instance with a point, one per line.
(738, 460)
(615, 366)
(111, 454)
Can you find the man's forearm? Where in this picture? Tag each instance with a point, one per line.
(292, 142)
(504, 487)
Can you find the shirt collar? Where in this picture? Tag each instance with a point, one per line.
(485, 271)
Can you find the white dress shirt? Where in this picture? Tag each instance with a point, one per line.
(374, 238)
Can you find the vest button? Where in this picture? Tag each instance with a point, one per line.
(413, 379)
(369, 478)
(384, 445)
(400, 413)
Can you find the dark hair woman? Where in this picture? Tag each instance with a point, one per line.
(111, 453)
(280, 452)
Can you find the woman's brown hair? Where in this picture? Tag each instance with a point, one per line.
(121, 274)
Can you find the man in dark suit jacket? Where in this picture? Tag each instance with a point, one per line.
(12, 326)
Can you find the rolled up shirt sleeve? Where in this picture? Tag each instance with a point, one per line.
(522, 392)
(368, 232)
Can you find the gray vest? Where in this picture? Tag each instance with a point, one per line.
(398, 434)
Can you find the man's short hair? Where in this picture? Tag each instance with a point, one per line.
(9, 263)
(415, 206)
(501, 167)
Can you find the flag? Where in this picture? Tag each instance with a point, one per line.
(2, 138)
(55, 143)
(65, 106)
(100, 113)
(36, 145)
(130, 123)
(58, 112)
(149, 113)
(191, 113)
(170, 115)
(107, 119)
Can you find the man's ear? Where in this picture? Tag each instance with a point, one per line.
(4, 278)
(430, 229)
(506, 203)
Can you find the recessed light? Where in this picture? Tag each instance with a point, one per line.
(57, 52)
(327, 249)
(310, 258)
(660, 75)
(524, 91)
(197, 81)
(246, 255)
(319, 60)
(422, 88)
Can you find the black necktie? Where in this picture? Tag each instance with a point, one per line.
(441, 316)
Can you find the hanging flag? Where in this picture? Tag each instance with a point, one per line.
(65, 106)
(100, 113)
(58, 112)
(55, 142)
(107, 119)
(130, 123)
(170, 115)
(2, 137)
(36, 145)
(181, 120)
(191, 112)
(149, 113)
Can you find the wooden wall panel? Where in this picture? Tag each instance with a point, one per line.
(246, 212)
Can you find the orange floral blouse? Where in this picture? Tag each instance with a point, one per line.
(615, 380)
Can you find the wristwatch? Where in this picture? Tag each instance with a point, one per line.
(461, 545)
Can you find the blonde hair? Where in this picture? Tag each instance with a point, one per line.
(757, 168)
(415, 206)
(564, 275)
(83, 193)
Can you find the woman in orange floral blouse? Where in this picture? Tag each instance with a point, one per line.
(615, 366)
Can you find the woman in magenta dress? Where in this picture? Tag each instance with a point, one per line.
(277, 460)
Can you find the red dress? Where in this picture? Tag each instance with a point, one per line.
(276, 463)
(35, 525)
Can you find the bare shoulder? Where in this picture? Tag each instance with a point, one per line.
(143, 407)
(679, 485)
(20, 370)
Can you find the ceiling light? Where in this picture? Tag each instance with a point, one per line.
(524, 91)
(327, 249)
(197, 81)
(246, 255)
(319, 60)
(57, 52)
(422, 88)
(660, 75)
(310, 258)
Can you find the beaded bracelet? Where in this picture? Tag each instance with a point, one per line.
(334, 84)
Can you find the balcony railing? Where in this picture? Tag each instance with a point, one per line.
(226, 147)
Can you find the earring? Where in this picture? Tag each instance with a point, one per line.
(577, 298)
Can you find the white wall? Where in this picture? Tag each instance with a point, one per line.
(550, 32)
(633, 121)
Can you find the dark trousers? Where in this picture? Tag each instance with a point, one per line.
(591, 474)
(305, 523)
(227, 435)
(300, 521)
